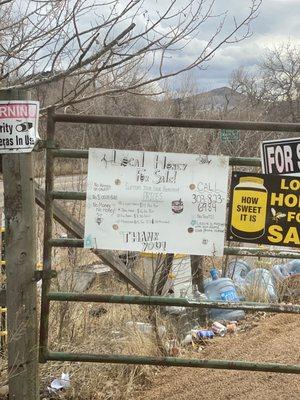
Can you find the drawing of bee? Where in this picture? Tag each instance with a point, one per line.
(277, 215)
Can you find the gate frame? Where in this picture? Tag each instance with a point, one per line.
(52, 152)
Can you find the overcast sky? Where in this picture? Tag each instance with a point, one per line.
(278, 21)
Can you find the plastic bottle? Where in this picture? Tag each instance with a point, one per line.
(282, 271)
(237, 271)
(279, 272)
(293, 267)
(174, 310)
(260, 280)
(187, 340)
(197, 314)
(223, 289)
(214, 274)
(196, 295)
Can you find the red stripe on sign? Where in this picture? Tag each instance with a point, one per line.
(17, 110)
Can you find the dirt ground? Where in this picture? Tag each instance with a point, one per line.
(274, 339)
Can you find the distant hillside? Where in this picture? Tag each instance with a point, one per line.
(220, 99)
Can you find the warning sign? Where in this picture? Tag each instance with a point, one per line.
(18, 126)
(281, 156)
(264, 209)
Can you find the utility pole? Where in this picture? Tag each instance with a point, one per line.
(20, 241)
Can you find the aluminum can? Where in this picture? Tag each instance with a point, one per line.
(219, 329)
(205, 334)
(231, 327)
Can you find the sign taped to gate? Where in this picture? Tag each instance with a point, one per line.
(264, 209)
(18, 126)
(281, 156)
(156, 202)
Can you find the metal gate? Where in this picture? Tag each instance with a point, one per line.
(52, 211)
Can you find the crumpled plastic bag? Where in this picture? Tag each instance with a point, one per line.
(59, 384)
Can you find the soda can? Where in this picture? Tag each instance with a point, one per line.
(219, 329)
(205, 334)
(231, 327)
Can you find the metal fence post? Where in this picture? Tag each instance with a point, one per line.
(47, 253)
(20, 241)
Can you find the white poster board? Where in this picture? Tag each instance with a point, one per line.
(156, 202)
(18, 126)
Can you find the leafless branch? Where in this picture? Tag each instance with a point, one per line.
(95, 49)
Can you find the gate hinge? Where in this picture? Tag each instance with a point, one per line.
(38, 274)
(46, 144)
(40, 145)
(51, 144)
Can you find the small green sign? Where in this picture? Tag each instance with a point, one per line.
(229, 135)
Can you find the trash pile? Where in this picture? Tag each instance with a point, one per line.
(199, 335)
(195, 328)
(263, 281)
(242, 282)
(215, 289)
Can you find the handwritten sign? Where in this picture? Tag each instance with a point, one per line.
(156, 202)
(18, 126)
(281, 156)
(265, 209)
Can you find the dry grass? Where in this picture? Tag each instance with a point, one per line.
(256, 293)
(90, 328)
(3, 370)
(102, 381)
(76, 327)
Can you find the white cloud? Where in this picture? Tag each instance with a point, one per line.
(278, 21)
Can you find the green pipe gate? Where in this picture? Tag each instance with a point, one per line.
(52, 152)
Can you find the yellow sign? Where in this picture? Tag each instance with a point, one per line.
(264, 209)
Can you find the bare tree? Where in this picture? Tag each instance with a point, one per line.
(275, 86)
(281, 74)
(97, 48)
(249, 85)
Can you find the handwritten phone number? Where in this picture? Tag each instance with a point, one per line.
(207, 202)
